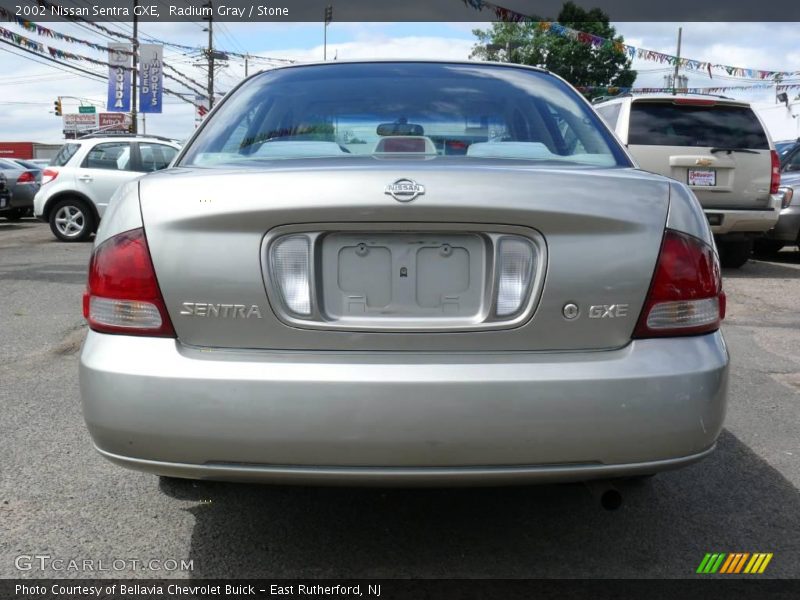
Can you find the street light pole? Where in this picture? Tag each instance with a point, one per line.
(677, 63)
(210, 51)
(328, 19)
(134, 117)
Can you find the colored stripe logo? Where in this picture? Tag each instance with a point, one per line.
(734, 562)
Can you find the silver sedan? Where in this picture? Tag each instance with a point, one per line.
(404, 273)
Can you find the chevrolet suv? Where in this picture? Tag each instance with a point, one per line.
(716, 145)
(80, 180)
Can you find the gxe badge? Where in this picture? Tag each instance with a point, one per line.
(404, 190)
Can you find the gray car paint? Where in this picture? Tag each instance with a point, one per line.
(205, 241)
(21, 193)
(652, 400)
(264, 401)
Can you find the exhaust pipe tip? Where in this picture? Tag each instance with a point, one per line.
(610, 497)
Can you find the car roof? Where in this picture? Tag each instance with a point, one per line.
(378, 61)
(661, 96)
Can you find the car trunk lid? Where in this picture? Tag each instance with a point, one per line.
(395, 276)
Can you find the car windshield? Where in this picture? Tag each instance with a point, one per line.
(404, 109)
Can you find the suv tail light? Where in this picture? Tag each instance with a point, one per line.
(49, 175)
(26, 177)
(122, 294)
(685, 296)
(775, 180)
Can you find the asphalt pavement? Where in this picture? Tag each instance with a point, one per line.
(58, 498)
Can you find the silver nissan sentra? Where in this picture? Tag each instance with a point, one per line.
(404, 273)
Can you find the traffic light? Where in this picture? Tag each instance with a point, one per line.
(57, 106)
(328, 14)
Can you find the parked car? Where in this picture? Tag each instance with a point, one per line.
(785, 146)
(716, 145)
(82, 177)
(319, 291)
(39, 162)
(23, 182)
(787, 231)
(5, 196)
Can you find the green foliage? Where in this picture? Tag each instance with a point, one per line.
(577, 62)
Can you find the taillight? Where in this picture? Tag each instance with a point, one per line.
(49, 175)
(122, 294)
(775, 180)
(26, 177)
(686, 296)
(788, 195)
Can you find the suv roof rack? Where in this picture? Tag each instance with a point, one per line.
(134, 135)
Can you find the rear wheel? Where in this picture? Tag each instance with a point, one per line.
(733, 255)
(71, 220)
(767, 247)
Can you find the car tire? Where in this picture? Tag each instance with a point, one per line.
(733, 255)
(767, 247)
(71, 220)
(15, 214)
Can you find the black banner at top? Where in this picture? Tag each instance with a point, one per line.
(394, 10)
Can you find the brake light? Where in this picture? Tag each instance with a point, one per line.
(694, 102)
(49, 175)
(122, 294)
(685, 296)
(775, 180)
(26, 177)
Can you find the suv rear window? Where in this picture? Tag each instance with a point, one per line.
(66, 152)
(446, 110)
(717, 126)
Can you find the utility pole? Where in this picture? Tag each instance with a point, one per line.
(246, 56)
(677, 63)
(328, 19)
(210, 52)
(134, 72)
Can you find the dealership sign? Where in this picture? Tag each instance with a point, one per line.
(119, 77)
(76, 124)
(151, 57)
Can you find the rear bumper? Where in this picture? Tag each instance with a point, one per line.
(153, 405)
(788, 227)
(744, 221)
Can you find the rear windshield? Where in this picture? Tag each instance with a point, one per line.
(718, 126)
(66, 152)
(391, 109)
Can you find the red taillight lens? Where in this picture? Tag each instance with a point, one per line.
(775, 180)
(26, 177)
(686, 296)
(49, 175)
(122, 295)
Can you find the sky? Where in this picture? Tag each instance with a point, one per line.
(28, 88)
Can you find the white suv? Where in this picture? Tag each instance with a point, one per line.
(80, 180)
(718, 147)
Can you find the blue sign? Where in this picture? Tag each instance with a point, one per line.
(119, 77)
(150, 78)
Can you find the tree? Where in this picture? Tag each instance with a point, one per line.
(579, 63)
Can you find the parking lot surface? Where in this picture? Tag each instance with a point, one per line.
(59, 498)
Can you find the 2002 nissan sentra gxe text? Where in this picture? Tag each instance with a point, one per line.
(404, 272)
